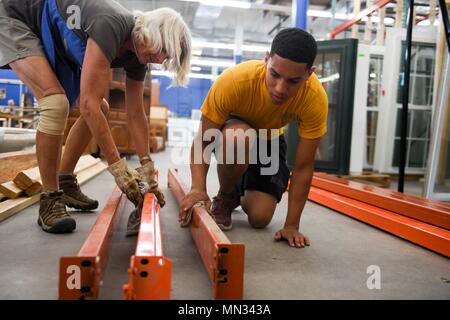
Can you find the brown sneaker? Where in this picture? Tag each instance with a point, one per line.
(222, 206)
(53, 216)
(73, 197)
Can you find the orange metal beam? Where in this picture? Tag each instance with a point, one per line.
(223, 260)
(359, 16)
(150, 272)
(428, 236)
(433, 212)
(80, 276)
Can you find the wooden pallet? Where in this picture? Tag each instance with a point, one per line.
(12, 206)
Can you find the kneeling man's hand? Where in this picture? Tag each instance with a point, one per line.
(194, 197)
(293, 237)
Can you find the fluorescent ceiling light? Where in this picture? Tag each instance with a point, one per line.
(224, 3)
(212, 63)
(191, 75)
(214, 45)
(228, 46)
(244, 5)
(376, 19)
(253, 48)
(327, 14)
(195, 68)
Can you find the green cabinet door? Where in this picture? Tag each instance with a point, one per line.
(336, 69)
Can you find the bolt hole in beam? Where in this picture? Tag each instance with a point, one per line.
(224, 250)
(86, 263)
(144, 261)
(223, 272)
(144, 274)
(85, 289)
(224, 280)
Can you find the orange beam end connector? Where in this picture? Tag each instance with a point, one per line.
(223, 260)
(80, 277)
(150, 272)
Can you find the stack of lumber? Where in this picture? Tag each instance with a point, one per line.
(24, 190)
(13, 162)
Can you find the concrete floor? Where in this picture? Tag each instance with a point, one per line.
(333, 267)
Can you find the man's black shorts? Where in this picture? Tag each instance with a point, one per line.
(275, 184)
(252, 179)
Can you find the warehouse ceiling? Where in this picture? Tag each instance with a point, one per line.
(213, 23)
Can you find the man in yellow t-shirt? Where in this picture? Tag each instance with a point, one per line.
(257, 95)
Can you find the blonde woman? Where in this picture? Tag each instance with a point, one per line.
(63, 51)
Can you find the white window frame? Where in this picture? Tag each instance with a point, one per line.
(360, 108)
(438, 123)
(387, 114)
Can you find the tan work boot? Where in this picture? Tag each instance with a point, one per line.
(53, 216)
(73, 197)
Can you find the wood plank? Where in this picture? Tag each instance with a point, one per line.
(17, 154)
(35, 188)
(13, 206)
(10, 190)
(27, 178)
(30, 181)
(13, 162)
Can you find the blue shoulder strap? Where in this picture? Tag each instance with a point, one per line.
(64, 49)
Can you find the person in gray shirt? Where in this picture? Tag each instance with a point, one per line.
(63, 51)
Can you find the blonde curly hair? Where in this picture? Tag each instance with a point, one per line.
(165, 30)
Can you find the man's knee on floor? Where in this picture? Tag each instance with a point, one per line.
(259, 222)
(54, 110)
(258, 217)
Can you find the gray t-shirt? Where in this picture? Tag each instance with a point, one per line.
(105, 21)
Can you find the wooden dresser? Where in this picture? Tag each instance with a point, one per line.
(117, 117)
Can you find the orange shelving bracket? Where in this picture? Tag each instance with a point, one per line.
(150, 272)
(421, 233)
(80, 276)
(433, 212)
(359, 16)
(223, 260)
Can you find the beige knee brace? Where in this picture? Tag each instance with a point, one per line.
(54, 111)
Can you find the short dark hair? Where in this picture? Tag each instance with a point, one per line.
(296, 45)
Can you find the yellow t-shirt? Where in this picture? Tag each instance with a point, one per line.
(241, 91)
